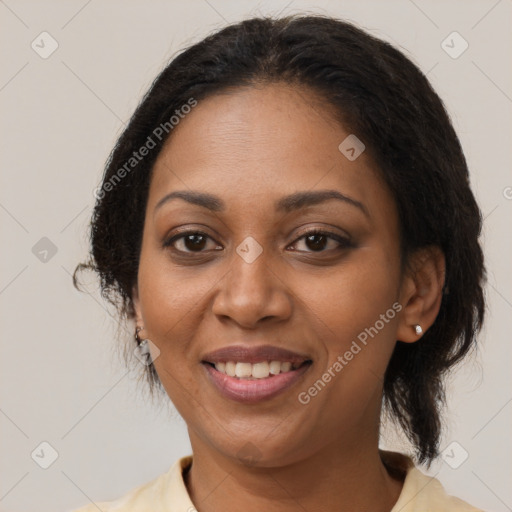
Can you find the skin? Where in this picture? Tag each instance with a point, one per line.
(250, 147)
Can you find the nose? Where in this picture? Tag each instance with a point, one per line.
(253, 292)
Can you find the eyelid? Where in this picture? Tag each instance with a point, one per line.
(181, 233)
(323, 231)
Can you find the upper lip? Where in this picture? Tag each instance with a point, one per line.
(244, 354)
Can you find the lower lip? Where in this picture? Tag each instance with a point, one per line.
(250, 391)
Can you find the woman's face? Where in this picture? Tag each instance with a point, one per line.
(255, 285)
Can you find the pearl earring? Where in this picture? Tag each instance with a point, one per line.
(418, 329)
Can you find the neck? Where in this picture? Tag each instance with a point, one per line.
(340, 478)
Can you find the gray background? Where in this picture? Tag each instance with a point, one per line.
(62, 380)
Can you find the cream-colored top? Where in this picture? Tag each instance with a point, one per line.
(168, 493)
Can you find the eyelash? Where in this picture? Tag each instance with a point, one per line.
(344, 242)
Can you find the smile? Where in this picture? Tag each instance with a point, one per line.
(260, 370)
(254, 374)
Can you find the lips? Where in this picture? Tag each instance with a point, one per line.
(253, 355)
(253, 374)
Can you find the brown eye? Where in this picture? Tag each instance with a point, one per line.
(318, 241)
(190, 241)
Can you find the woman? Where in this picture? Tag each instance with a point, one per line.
(287, 220)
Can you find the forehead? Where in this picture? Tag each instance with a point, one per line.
(255, 144)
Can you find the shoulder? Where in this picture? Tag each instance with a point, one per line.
(422, 493)
(167, 489)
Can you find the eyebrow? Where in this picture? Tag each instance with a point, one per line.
(285, 204)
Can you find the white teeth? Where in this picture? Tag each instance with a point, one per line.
(230, 369)
(275, 367)
(243, 370)
(286, 367)
(260, 370)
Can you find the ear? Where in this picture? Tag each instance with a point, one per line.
(136, 305)
(421, 292)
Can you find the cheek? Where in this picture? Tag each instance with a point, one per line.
(174, 302)
(169, 296)
(353, 298)
(170, 306)
(355, 313)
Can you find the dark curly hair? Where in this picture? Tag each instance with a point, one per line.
(376, 92)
